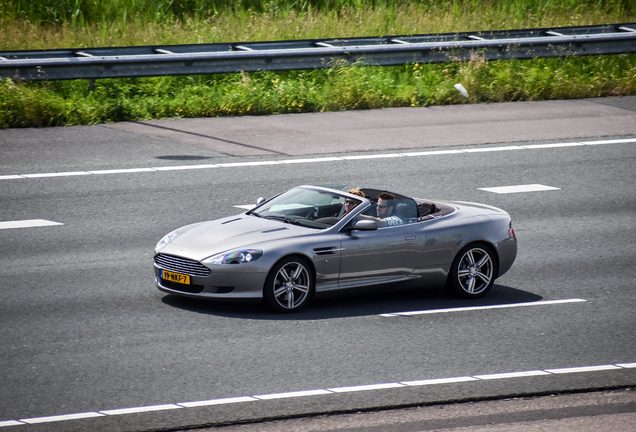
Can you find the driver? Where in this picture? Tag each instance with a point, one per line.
(385, 211)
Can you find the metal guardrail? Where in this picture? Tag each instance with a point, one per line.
(195, 59)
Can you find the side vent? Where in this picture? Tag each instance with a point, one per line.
(329, 250)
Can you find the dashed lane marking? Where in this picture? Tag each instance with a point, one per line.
(30, 223)
(323, 392)
(519, 188)
(319, 159)
(474, 308)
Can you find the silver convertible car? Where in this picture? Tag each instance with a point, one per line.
(316, 239)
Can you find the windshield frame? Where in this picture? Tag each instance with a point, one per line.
(322, 210)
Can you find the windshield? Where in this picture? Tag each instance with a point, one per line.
(308, 207)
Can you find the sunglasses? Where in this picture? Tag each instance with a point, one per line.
(382, 206)
(350, 202)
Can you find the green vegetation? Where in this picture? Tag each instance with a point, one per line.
(48, 24)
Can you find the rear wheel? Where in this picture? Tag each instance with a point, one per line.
(473, 271)
(289, 285)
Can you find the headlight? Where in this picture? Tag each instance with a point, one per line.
(235, 257)
(166, 239)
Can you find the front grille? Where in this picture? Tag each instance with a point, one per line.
(181, 265)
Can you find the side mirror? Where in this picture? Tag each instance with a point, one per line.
(365, 225)
(259, 200)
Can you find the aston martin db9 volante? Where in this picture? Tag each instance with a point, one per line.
(316, 239)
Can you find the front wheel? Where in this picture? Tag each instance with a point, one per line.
(289, 285)
(473, 272)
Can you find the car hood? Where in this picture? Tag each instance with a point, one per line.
(204, 239)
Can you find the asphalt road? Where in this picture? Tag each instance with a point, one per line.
(86, 336)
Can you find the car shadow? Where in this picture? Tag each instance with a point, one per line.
(380, 300)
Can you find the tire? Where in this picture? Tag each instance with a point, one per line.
(290, 285)
(473, 271)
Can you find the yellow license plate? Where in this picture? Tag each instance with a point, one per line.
(175, 277)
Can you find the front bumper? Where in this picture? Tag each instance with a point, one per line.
(227, 283)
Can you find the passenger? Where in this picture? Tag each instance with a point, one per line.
(350, 204)
(385, 211)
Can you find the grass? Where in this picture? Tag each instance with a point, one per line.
(46, 24)
(341, 88)
(61, 23)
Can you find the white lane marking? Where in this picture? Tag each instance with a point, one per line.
(141, 409)
(474, 308)
(316, 392)
(10, 423)
(519, 188)
(60, 174)
(292, 394)
(366, 387)
(65, 417)
(246, 206)
(439, 381)
(582, 369)
(324, 159)
(29, 223)
(511, 375)
(222, 401)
